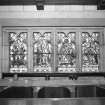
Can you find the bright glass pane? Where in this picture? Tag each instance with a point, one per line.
(66, 44)
(42, 52)
(90, 52)
(18, 52)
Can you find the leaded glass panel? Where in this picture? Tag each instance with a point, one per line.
(90, 51)
(66, 44)
(54, 50)
(18, 51)
(42, 50)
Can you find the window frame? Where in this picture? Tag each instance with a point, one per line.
(30, 30)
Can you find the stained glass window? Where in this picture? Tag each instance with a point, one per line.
(47, 51)
(90, 52)
(66, 44)
(18, 51)
(42, 51)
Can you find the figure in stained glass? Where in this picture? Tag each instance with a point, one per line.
(90, 51)
(66, 51)
(42, 51)
(18, 52)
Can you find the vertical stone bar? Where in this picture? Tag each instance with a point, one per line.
(104, 51)
(30, 51)
(78, 51)
(5, 54)
(0, 52)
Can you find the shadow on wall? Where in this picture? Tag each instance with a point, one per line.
(54, 92)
